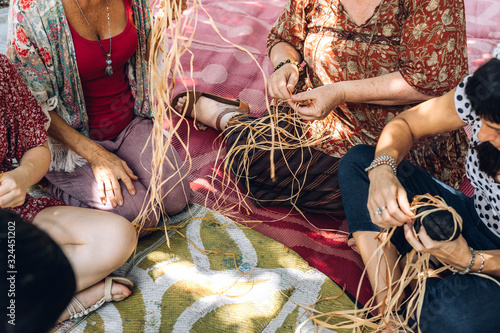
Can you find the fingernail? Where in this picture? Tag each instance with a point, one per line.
(113, 204)
(133, 192)
(103, 202)
(120, 203)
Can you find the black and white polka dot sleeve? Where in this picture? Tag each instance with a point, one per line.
(463, 105)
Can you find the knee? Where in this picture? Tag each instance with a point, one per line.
(177, 197)
(121, 238)
(174, 202)
(352, 165)
(359, 156)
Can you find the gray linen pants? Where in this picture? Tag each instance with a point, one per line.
(79, 188)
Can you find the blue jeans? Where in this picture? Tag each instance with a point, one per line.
(458, 303)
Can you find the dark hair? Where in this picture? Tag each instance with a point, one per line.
(489, 158)
(37, 280)
(483, 90)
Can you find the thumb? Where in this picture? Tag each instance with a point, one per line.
(292, 81)
(403, 203)
(301, 96)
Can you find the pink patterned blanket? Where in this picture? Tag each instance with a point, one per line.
(223, 69)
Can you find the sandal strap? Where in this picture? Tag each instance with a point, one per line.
(83, 311)
(76, 309)
(108, 283)
(242, 105)
(72, 307)
(194, 96)
(223, 113)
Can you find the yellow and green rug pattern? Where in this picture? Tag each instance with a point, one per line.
(220, 277)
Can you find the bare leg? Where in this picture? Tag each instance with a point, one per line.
(95, 242)
(377, 269)
(206, 111)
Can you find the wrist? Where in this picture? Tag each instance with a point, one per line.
(288, 62)
(21, 176)
(466, 267)
(383, 160)
(341, 91)
(480, 261)
(380, 171)
(92, 152)
(87, 148)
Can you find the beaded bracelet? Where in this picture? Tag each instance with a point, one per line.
(471, 262)
(482, 262)
(384, 159)
(287, 61)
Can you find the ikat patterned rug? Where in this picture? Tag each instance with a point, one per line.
(216, 276)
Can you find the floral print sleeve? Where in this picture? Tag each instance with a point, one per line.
(22, 120)
(21, 129)
(291, 26)
(429, 58)
(40, 46)
(423, 40)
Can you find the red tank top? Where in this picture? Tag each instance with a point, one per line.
(109, 100)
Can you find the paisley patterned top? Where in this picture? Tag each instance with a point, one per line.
(21, 128)
(424, 40)
(41, 47)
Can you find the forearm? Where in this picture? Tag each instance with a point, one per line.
(429, 118)
(283, 51)
(65, 134)
(34, 164)
(389, 89)
(491, 264)
(395, 140)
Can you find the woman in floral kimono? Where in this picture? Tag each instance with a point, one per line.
(85, 62)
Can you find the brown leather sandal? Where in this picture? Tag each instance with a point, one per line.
(238, 105)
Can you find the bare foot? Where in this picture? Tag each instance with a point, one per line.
(352, 244)
(206, 111)
(93, 294)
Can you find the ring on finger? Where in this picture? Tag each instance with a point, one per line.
(379, 210)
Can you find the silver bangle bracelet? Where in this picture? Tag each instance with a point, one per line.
(469, 267)
(482, 262)
(384, 159)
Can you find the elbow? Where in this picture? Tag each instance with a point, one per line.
(412, 94)
(47, 158)
(419, 97)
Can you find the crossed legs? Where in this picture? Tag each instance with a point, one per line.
(305, 178)
(95, 242)
(79, 188)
